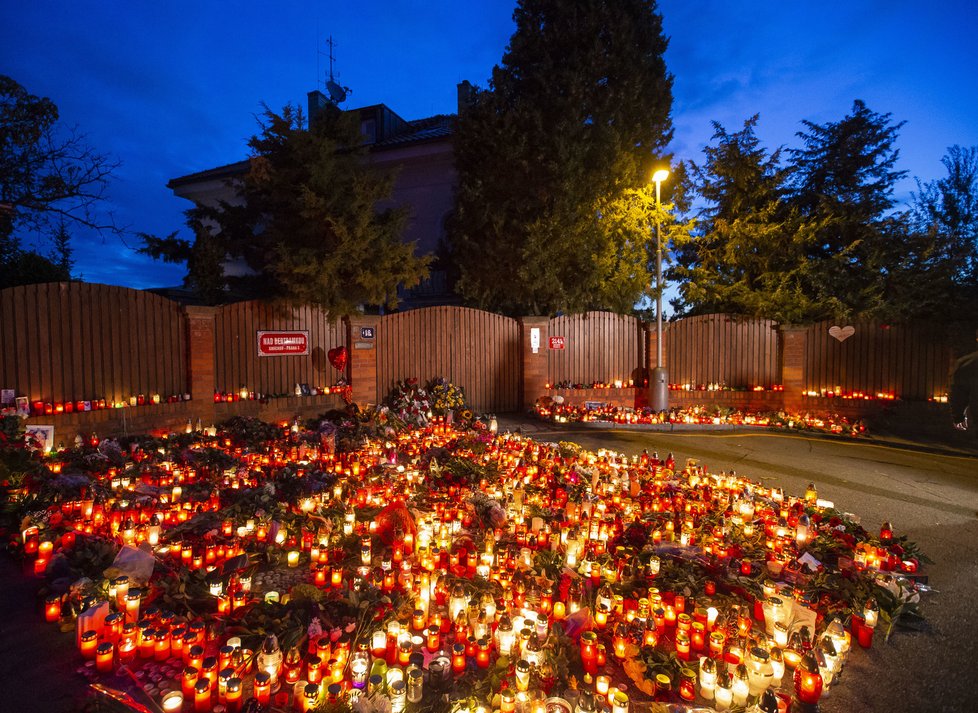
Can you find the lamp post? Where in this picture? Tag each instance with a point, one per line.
(659, 382)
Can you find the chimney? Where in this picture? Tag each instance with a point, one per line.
(317, 102)
(466, 95)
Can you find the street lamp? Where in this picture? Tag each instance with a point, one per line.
(659, 383)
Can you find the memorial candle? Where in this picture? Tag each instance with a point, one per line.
(52, 608)
(263, 688)
(104, 655)
(202, 696)
(189, 681)
(172, 701)
(88, 642)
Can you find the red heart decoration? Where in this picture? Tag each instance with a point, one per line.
(337, 357)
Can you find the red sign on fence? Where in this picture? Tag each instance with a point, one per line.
(283, 343)
(558, 342)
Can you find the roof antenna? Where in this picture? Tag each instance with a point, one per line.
(336, 92)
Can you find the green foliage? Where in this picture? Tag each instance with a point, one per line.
(944, 217)
(16, 460)
(818, 236)
(752, 255)
(575, 114)
(306, 221)
(843, 179)
(90, 557)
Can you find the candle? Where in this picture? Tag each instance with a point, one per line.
(482, 655)
(314, 672)
(310, 697)
(293, 558)
(687, 684)
(132, 604)
(233, 702)
(589, 651)
(189, 681)
(601, 685)
(88, 643)
(808, 681)
(172, 701)
(263, 687)
(104, 654)
(723, 693)
(708, 677)
(52, 608)
(682, 645)
(202, 696)
(458, 658)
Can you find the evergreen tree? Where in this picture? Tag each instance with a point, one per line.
(843, 178)
(749, 256)
(947, 209)
(305, 228)
(573, 118)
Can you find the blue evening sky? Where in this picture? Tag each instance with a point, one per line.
(173, 86)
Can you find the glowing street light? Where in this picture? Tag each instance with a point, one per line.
(659, 382)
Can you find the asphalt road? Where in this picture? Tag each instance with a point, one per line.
(930, 495)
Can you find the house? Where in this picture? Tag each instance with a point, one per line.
(420, 152)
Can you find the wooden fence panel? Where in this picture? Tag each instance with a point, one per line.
(908, 361)
(238, 365)
(74, 341)
(476, 350)
(721, 349)
(599, 347)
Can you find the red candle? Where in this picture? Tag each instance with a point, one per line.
(263, 688)
(458, 658)
(189, 681)
(52, 608)
(808, 681)
(202, 696)
(104, 655)
(88, 643)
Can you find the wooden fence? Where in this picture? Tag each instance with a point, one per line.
(721, 349)
(476, 350)
(236, 360)
(73, 341)
(598, 347)
(70, 342)
(910, 361)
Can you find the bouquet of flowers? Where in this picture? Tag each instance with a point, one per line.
(409, 403)
(446, 396)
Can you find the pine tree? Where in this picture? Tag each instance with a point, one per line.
(574, 116)
(306, 223)
(949, 208)
(844, 177)
(749, 256)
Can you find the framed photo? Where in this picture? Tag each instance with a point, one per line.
(43, 436)
(23, 406)
(306, 391)
(7, 397)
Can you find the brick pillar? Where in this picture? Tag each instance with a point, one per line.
(200, 352)
(793, 344)
(534, 368)
(361, 341)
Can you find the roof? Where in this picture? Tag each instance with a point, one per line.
(432, 128)
(228, 171)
